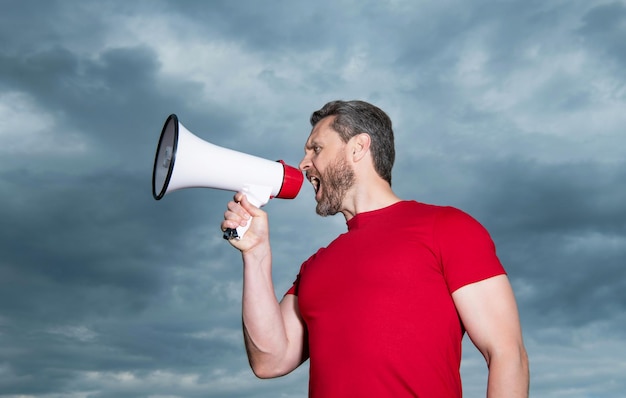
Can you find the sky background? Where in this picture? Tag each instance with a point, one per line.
(514, 111)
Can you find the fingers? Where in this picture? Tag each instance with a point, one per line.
(235, 216)
(239, 196)
(242, 213)
(248, 206)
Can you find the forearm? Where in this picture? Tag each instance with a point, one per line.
(263, 325)
(508, 375)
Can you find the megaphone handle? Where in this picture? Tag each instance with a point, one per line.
(256, 195)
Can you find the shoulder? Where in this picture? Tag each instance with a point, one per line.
(415, 208)
(466, 249)
(453, 220)
(443, 216)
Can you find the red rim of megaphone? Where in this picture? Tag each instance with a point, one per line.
(292, 182)
(171, 119)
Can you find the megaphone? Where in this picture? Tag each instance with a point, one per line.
(184, 160)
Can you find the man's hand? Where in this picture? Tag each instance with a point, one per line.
(241, 212)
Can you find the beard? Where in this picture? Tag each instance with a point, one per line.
(336, 181)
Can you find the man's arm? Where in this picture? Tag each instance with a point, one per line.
(273, 331)
(489, 313)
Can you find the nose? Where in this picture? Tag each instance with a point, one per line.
(305, 163)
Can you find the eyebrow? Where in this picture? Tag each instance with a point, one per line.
(310, 144)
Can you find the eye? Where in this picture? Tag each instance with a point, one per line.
(317, 149)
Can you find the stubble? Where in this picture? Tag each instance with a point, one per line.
(337, 179)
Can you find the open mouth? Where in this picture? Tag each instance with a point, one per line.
(315, 182)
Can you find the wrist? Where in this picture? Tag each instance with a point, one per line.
(257, 254)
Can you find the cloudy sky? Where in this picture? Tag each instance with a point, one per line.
(514, 111)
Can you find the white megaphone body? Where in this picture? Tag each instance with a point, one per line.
(183, 160)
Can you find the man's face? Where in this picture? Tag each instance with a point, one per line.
(326, 168)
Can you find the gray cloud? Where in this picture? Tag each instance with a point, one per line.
(512, 111)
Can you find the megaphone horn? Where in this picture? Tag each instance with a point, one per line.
(183, 160)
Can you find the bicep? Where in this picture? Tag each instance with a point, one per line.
(295, 329)
(489, 314)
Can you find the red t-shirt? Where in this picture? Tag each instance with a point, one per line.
(377, 302)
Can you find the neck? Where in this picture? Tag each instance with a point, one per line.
(362, 198)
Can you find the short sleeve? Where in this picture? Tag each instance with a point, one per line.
(296, 284)
(466, 250)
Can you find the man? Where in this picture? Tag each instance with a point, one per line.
(381, 311)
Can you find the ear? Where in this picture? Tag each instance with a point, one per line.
(360, 146)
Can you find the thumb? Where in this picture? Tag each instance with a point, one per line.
(249, 206)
